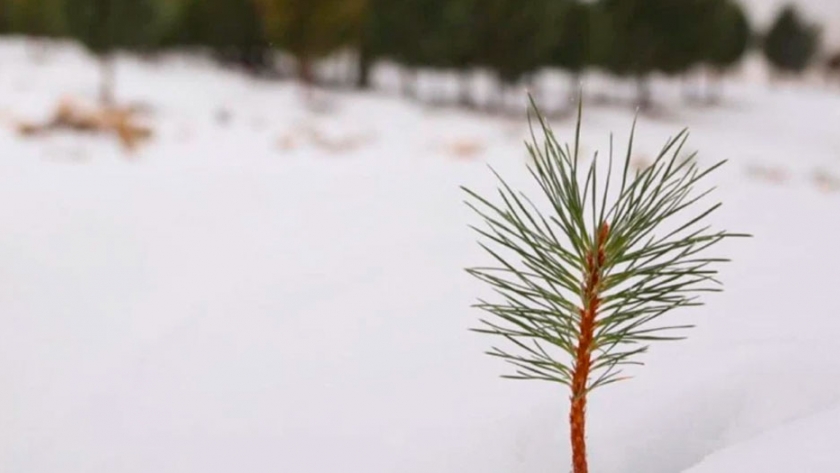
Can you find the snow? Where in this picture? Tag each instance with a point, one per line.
(286, 292)
(806, 444)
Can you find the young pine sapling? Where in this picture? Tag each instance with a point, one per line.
(583, 287)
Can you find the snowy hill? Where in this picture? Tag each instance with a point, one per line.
(282, 291)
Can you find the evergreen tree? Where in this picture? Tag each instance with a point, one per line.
(4, 17)
(170, 17)
(791, 43)
(690, 35)
(581, 291)
(398, 29)
(370, 45)
(631, 40)
(573, 49)
(34, 17)
(311, 29)
(730, 36)
(390, 30)
(435, 34)
(639, 37)
(104, 26)
(713, 33)
(459, 31)
(449, 42)
(601, 37)
(516, 38)
(231, 28)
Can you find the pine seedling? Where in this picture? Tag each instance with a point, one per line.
(583, 287)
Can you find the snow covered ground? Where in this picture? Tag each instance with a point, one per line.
(283, 292)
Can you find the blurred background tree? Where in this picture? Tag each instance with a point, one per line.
(729, 38)
(515, 41)
(791, 43)
(638, 39)
(37, 18)
(4, 17)
(105, 26)
(312, 29)
(232, 29)
(573, 47)
(512, 40)
(389, 31)
(433, 34)
(448, 42)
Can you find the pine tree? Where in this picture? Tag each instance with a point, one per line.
(390, 30)
(370, 45)
(514, 39)
(730, 37)
(449, 41)
(40, 18)
(728, 40)
(311, 29)
(171, 23)
(36, 19)
(105, 26)
(631, 41)
(231, 28)
(573, 48)
(698, 31)
(791, 43)
(639, 37)
(582, 290)
(4, 17)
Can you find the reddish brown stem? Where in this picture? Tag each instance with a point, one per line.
(583, 354)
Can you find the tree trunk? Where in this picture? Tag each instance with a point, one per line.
(575, 88)
(688, 93)
(408, 85)
(365, 62)
(713, 92)
(465, 97)
(254, 59)
(306, 73)
(107, 80)
(583, 354)
(495, 102)
(577, 420)
(502, 97)
(643, 97)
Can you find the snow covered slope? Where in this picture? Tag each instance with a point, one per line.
(807, 444)
(283, 292)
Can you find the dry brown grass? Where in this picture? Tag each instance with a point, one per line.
(72, 115)
(464, 149)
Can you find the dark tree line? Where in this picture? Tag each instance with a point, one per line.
(627, 38)
(514, 39)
